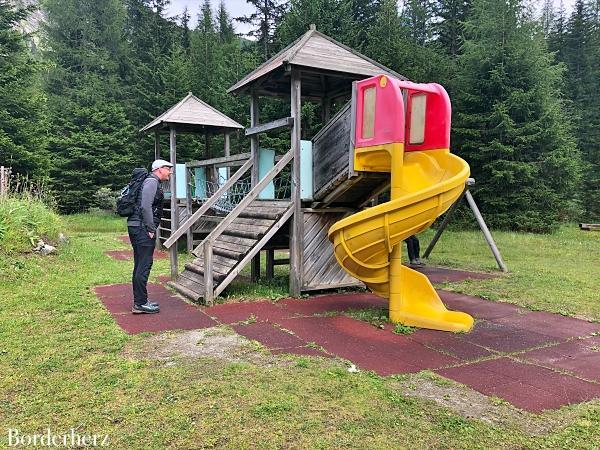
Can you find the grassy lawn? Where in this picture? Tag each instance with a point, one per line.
(63, 362)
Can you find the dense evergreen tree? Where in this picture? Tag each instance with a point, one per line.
(451, 14)
(511, 124)
(23, 121)
(267, 14)
(332, 17)
(90, 132)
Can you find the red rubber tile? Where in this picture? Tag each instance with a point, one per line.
(125, 291)
(175, 314)
(125, 255)
(236, 312)
(268, 335)
(526, 386)
(124, 238)
(327, 303)
(443, 275)
(504, 338)
(450, 343)
(301, 351)
(478, 307)
(551, 324)
(576, 357)
(370, 348)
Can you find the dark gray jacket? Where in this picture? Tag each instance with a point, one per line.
(151, 205)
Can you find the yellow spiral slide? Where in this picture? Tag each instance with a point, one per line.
(368, 245)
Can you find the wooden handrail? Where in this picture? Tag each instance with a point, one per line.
(207, 205)
(217, 161)
(255, 192)
(279, 123)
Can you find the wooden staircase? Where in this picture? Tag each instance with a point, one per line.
(234, 248)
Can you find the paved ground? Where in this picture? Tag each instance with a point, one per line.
(534, 360)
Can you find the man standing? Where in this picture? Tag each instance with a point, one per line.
(142, 234)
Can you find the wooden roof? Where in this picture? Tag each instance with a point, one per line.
(327, 66)
(192, 114)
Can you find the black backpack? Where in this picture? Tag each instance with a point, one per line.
(127, 202)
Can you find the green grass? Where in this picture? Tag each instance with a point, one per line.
(557, 273)
(23, 221)
(62, 367)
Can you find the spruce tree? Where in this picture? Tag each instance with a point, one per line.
(331, 17)
(264, 19)
(23, 115)
(90, 133)
(510, 121)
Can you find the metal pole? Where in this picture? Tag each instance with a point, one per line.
(443, 225)
(486, 231)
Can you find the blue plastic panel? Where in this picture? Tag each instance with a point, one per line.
(266, 161)
(306, 172)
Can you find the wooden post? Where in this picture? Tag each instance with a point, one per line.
(157, 156)
(254, 139)
(156, 145)
(208, 272)
(174, 208)
(227, 151)
(188, 207)
(325, 109)
(255, 268)
(296, 230)
(270, 272)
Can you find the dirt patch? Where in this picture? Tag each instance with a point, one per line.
(471, 404)
(219, 343)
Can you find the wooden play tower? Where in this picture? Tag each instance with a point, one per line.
(324, 186)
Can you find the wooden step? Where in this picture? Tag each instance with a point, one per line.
(191, 281)
(249, 234)
(255, 222)
(199, 270)
(255, 213)
(184, 291)
(243, 243)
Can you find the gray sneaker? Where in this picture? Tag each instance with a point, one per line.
(146, 308)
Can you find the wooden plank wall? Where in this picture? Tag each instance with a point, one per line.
(321, 269)
(330, 152)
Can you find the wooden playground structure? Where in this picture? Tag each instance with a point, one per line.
(248, 208)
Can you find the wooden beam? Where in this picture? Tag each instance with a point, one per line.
(254, 144)
(220, 162)
(249, 198)
(156, 145)
(156, 156)
(274, 125)
(296, 227)
(227, 150)
(270, 269)
(174, 207)
(208, 274)
(207, 205)
(188, 207)
(589, 226)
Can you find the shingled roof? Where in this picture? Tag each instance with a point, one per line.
(316, 54)
(192, 114)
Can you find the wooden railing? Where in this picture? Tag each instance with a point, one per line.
(208, 242)
(176, 234)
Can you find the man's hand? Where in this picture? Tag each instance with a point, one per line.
(150, 235)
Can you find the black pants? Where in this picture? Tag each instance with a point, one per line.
(143, 256)
(412, 244)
